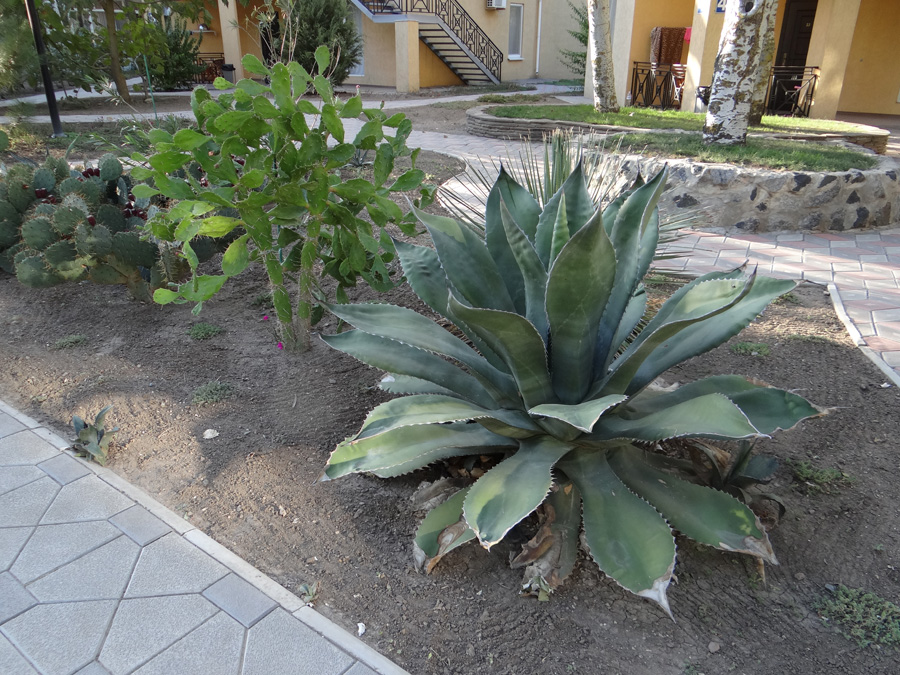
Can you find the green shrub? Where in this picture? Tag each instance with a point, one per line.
(558, 386)
(203, 331)
(70, 341)
(751, 349)
(178, 69)
(865, 618)
(212, 392)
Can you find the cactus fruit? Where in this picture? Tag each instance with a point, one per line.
(110, 168)
(38, 233)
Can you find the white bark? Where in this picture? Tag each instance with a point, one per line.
(600, 56)
(735, 74)
(766, 59)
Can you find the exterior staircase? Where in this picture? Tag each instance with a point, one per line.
(449, 31)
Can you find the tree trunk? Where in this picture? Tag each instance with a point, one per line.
(115, 61)
(601, 57)
(735, 74)
(766, 60)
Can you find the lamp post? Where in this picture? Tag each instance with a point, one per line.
(35, 22)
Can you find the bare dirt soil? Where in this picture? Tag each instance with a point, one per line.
(253, 488)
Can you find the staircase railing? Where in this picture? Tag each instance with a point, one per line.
(456, 18)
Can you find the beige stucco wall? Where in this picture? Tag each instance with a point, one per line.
(379, 59)
(556, 22)
(871, 81)
(651, 13)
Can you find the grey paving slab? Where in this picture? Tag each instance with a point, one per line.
(143, 627)
(19, 416)
(61, 638)
(93, 668)
(11, 661)
(64, 469)
(52, 546)
(87, 498)
(360, 669)
(239, 599)
(170, 566)
(309, 653)
(14, 597)
(12, 539)
(52, 438)
(102, 574)
(12, 477)
(9, 425)
(24, 447)
(214, 648)
(140, 525)
(27, 504)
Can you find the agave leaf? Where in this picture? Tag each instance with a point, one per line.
(702, 302)
(703, 514)
(710, 416)
(395, 357)
(442, 530)
(435, 455)
(427, 279)
(510, 423)
(524, 211)
(634, 312)
(628, 234)
(626, 536)
(549, 557)
(409, 327)
(583, 416)
(403, 384)
(405, 445)
(579, 208)
(561, 233)
(512, 489)
(696, 337)
(578, 288)
(433, 409)
(518, 343)
(768, 409)
(467, 263)
(532, 271)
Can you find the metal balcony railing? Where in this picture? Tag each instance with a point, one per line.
(655, 85)
(457, 20)
(791, 90)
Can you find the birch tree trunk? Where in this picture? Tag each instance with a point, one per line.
(600, 56)
(766, 60)
(735, 74)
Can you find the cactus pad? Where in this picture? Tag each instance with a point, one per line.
(21, 195)
(43, 210)
(130, 250)
(67, 218)
(110, 168)
(9, 214)
(38, 233)
(111, 217)
(31, 271)
(93, 241)
(76, 201)
(43, 178)
(106, 274)
(9, 234)
(64, 261)
(58, 166)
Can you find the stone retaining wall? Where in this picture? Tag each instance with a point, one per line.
(736, 198)
(481, 123)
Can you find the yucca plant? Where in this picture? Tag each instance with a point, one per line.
(555, 379)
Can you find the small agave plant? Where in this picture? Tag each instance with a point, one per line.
(555, 379)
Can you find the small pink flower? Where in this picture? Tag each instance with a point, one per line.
(265, 317)
(280, 345)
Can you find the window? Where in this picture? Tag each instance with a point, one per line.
(359, 69)
(516, 23)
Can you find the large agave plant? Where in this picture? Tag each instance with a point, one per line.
(555, 379)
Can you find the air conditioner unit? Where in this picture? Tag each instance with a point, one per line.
(496, 4)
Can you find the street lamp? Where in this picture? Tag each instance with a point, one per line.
(35, 21)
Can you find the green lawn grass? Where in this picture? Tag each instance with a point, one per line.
(650, 118)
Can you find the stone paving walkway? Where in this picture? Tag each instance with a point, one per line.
(97, 578)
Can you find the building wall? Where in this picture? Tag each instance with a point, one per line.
(380, 59)
(651, 13)
(872, 77)
(556, 22)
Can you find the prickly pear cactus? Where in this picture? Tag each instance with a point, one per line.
(59, 225)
